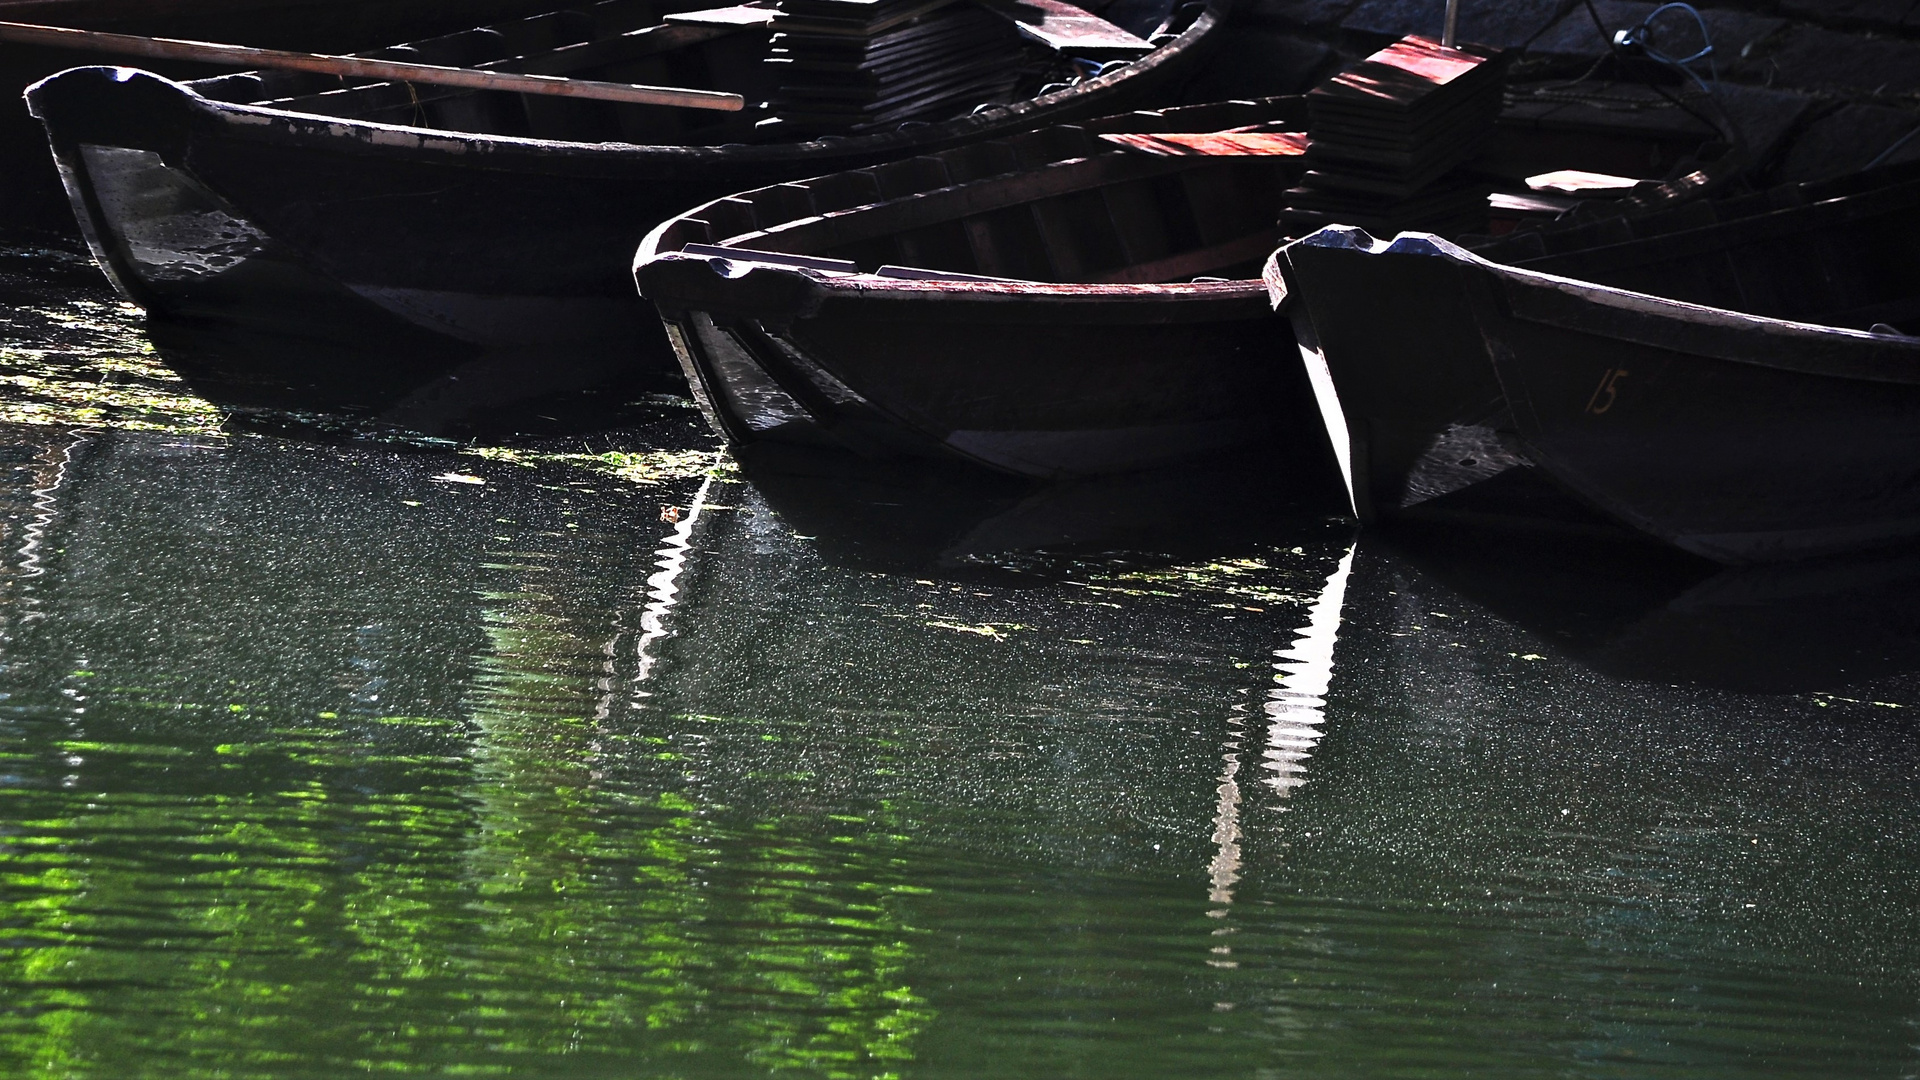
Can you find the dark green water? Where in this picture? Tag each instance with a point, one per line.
(321, 758)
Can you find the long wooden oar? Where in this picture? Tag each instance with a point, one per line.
(431, 74)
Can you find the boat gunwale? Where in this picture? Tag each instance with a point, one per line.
(1650, 308)
(872, 286)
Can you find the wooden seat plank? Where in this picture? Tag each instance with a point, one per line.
(1065, 28)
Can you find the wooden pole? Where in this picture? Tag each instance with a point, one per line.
(1452, 24)
(429, 74)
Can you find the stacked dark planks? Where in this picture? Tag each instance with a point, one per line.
(1389, 135)
(863, 65)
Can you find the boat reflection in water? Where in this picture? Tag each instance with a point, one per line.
(913, 516)
(1632, 609)
(405, 383)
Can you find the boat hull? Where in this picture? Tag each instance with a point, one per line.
(1734, 437)
(1395, 359)
(348, 278)
(1030, 379)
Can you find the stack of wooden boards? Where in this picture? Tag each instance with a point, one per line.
(864, 65)
(1389, 135)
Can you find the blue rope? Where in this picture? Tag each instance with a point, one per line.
(1640, 37)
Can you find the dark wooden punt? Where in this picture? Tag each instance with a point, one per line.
(1100, 357)
(1397, 340)
(1108, 358)
(30, 193)
(1748, 391)
(417, 229)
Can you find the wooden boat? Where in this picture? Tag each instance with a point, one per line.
(1091, 363)
(422, 228)
(1747, 389)
(30, 195)
(1419, 408)
(1135, 337)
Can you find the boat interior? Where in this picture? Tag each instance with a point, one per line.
(1062, 205)
(1057, 205)
(1842, 252)
(675, 43)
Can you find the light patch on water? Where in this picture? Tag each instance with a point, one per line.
(1250, 581)
(645, 467)
(72, 355)
(87, 363)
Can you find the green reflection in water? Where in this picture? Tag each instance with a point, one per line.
(662, 912)
(256, 823)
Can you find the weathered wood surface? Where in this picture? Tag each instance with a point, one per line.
(1067, 28)
(1212, 144)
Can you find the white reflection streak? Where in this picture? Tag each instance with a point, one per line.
(47, 509)
(1225, 868)
(1295, 708)
(663, 589)
(1294, 711)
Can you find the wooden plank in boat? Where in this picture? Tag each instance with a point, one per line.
(1531, 204)
(1214, 143)
(742, 15)
(1580, 182)
(851, 74)
(915, 273)
(1411, 74)
(1056, 234)
(1138, 222)
(1066, 28)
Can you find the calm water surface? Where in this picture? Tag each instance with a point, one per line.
(327, 752)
